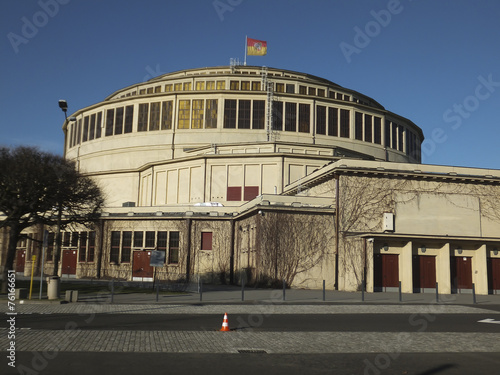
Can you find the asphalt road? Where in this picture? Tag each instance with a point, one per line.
(277, 322)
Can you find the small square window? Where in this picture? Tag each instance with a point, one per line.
(206, 241)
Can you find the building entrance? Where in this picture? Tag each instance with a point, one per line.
(141, 268)
(461, 274)
(424, 273)
(386, 272)
(69, 262)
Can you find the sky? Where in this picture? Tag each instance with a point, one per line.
(435, 62)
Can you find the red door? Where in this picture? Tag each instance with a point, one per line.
(424, 272)
(141, 265)
(69, 262)
(20, 260)
(461, 273)
(494, 274)
(386, 271)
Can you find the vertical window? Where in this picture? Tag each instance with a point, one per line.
(83, 247)
(114, 256)
(394, 143)
(126, 246)
(187, 86)
(129, 118)
(302, 90)
(161, 243)
(74, 239)
(85, 135)
(345, 123)
(72, 135)
(304, 118)
(234, 85)
(173, 248)
(377, 130)
(368, 128)
(66, 238)
(110, 118)
(166, 115)
(98, 125)
(168, 87)
(142, 92)
(206, 240)
(230, 114)
(358, 126)
(157, 89)
(245, 85)
(290, 88)
(210, 85)
(150, 90)
(200, 86)
(50, 246)
(119, 121)
(154, 116)
(259, 114)
(244, 114)
(400, 138)
(142, 124)
(178, 87)
(256, 86)
(321, 92)
(150, 240)
(340, 96)
(333, 122)
(79, 132)
(211, 114)
(91, 251)
(221, 85)
(290, 117)
(277, 119)
(197, 116)
(138, 239)
(280, 87)
(92, 127)
(321, 119)
(312, 91)
(387, 133)
(184, 111)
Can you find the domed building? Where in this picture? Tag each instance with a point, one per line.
(267, 174)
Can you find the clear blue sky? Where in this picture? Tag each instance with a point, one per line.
(434, 62)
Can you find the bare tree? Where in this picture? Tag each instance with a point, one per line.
(41, 188)
(293, 243)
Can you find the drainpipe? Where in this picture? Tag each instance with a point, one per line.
(231, 259)
(337, 225)
(188, 246)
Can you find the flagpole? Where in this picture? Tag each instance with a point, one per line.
(246, 47)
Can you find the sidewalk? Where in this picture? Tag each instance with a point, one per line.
(234, 295)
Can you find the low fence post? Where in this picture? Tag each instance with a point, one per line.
(324, 291)
(363, 290)
(201, 290)
(437, 292)
(474, 293)
(242, 289)
(157, 291)
(400, 294)
(112, 290)
(284, 288)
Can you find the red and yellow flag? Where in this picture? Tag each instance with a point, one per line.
(256, 47)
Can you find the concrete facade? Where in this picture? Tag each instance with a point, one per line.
(261, 174)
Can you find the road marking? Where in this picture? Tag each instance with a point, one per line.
(489, 320)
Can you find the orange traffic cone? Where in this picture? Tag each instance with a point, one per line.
(225, 324)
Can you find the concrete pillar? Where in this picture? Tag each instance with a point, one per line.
(406, 268)
(443, 271)
(480, 270)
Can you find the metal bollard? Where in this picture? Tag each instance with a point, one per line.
(201, 290)
(324, 296)
(284, 288)
(112, 290)
(362, 290)
(437, 292)
(400, 295)
(157, 291)
(474, 293)
(242, 289)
